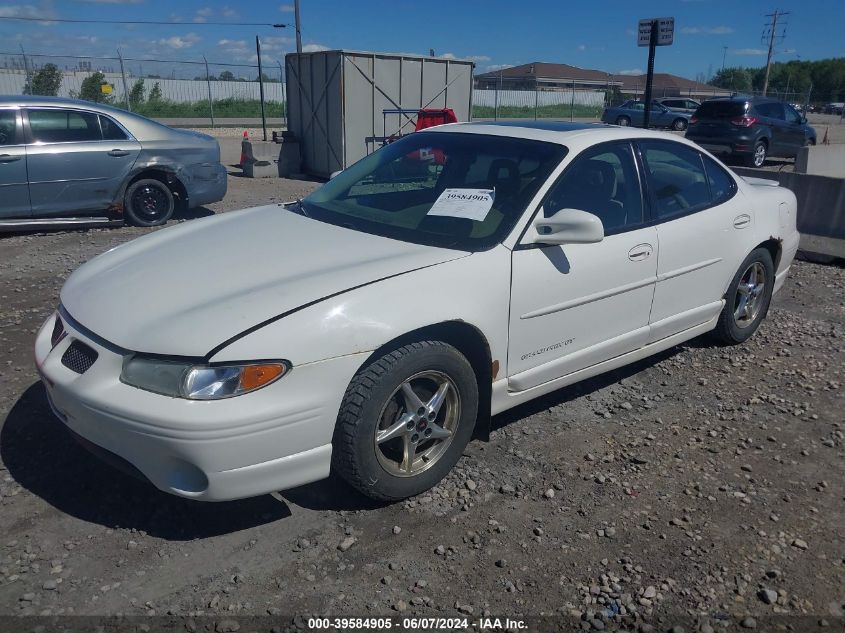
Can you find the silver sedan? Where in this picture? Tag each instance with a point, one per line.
(64, 161)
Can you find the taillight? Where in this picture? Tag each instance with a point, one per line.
(693, 120)
(744, 120)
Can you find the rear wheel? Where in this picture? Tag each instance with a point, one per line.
(623, 121)
(748, 298)
(679, 124)
(405, 420)
(148, 202)
(757, 158)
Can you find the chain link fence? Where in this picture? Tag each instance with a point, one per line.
(162, 89)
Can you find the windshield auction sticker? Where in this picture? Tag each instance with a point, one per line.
(473, 204)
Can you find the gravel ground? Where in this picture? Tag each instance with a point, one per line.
(699, 489)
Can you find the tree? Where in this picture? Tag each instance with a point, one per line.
(735, 79)
(136, 94)
(90, 90)
(227, 75)
(45, 82)
(155, 94)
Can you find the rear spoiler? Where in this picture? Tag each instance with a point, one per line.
(760, 182)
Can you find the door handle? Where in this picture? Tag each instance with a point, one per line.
(640, 252)
(8, 158)
(119, 152)
(741, 221)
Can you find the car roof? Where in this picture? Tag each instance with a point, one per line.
(23, 101)
(572, 134)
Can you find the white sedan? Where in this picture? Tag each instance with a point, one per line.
(375, 326)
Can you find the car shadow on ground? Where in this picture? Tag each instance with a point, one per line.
(44, 458)
(192, 214)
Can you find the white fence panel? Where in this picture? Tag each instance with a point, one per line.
(528, 98)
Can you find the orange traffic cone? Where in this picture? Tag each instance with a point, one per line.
(825, 139)
(244, 158)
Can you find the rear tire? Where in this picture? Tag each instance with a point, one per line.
(148, 202)
(747, 299)
(757, 158)
(623, 121)
(391, 438)
(679, 125)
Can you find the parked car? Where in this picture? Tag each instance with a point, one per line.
(632, 113)
(751, 128)
(375, 326)
(679, 104)
(66, 162)
(833, 108)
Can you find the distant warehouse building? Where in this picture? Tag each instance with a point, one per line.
(545, 76)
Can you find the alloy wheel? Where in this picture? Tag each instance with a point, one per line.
(417, 423)
(759, 155)
(750, 294)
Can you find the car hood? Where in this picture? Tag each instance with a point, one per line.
(185, 290)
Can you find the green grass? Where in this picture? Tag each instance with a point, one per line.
(561, 111)
(223, 108)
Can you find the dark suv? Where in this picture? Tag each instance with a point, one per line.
(750, 127)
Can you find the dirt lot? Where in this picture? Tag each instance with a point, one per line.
(700, 488)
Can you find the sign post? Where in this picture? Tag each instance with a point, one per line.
(653, 33)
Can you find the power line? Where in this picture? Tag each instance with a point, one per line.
(73, 21)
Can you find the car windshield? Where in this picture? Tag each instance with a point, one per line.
(455, 190)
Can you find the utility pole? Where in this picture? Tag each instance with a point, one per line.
(724, 55)
(298, 25)
(771, 33)
(261, 86)
(652, 43)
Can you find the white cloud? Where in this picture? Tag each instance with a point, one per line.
(472, 58)
(21, 11)
(113, 1)
(203, 14)
(314, 48)
(179, 41)
(631, 71)
(448, 56)
(707, 30)
(286, 8)
(747, 51)
(493, 67)
(582, 47)
(229, 12)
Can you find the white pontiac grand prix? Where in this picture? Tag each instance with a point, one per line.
(374, 326)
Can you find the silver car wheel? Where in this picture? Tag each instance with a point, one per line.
(759, 155)
(749, 295)
(417, 423)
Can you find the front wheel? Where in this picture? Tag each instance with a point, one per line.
(405, 420)
(748, 298)
(148, 202)
(679, 125)
(623, 121)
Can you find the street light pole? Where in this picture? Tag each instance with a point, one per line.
(261, 86)
(298, 26)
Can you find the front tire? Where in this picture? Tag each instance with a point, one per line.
(405, 420)
(148, 202)
(679, 125)
(748, 298)
(623, 121)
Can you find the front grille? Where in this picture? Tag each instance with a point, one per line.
(79, 357)
(58, 331)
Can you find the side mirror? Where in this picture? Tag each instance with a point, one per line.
(569, 226)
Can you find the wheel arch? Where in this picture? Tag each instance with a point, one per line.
(775, 248)
(468, 340)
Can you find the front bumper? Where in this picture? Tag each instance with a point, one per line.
(275, 438)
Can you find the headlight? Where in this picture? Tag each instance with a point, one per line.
(200, 382)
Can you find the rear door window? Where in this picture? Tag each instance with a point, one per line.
(54, 125)
(676, 177)
(8, 127)
(770, 110)
(722, 186)
(111, 130)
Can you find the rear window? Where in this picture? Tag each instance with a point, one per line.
(720, 109)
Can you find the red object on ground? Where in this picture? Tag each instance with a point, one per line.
(428, 117)
(243, 153)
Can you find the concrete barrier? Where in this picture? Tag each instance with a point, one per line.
(262, 158)
(821, 208)
(821, 160)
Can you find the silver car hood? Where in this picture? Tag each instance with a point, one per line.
(185, 290)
